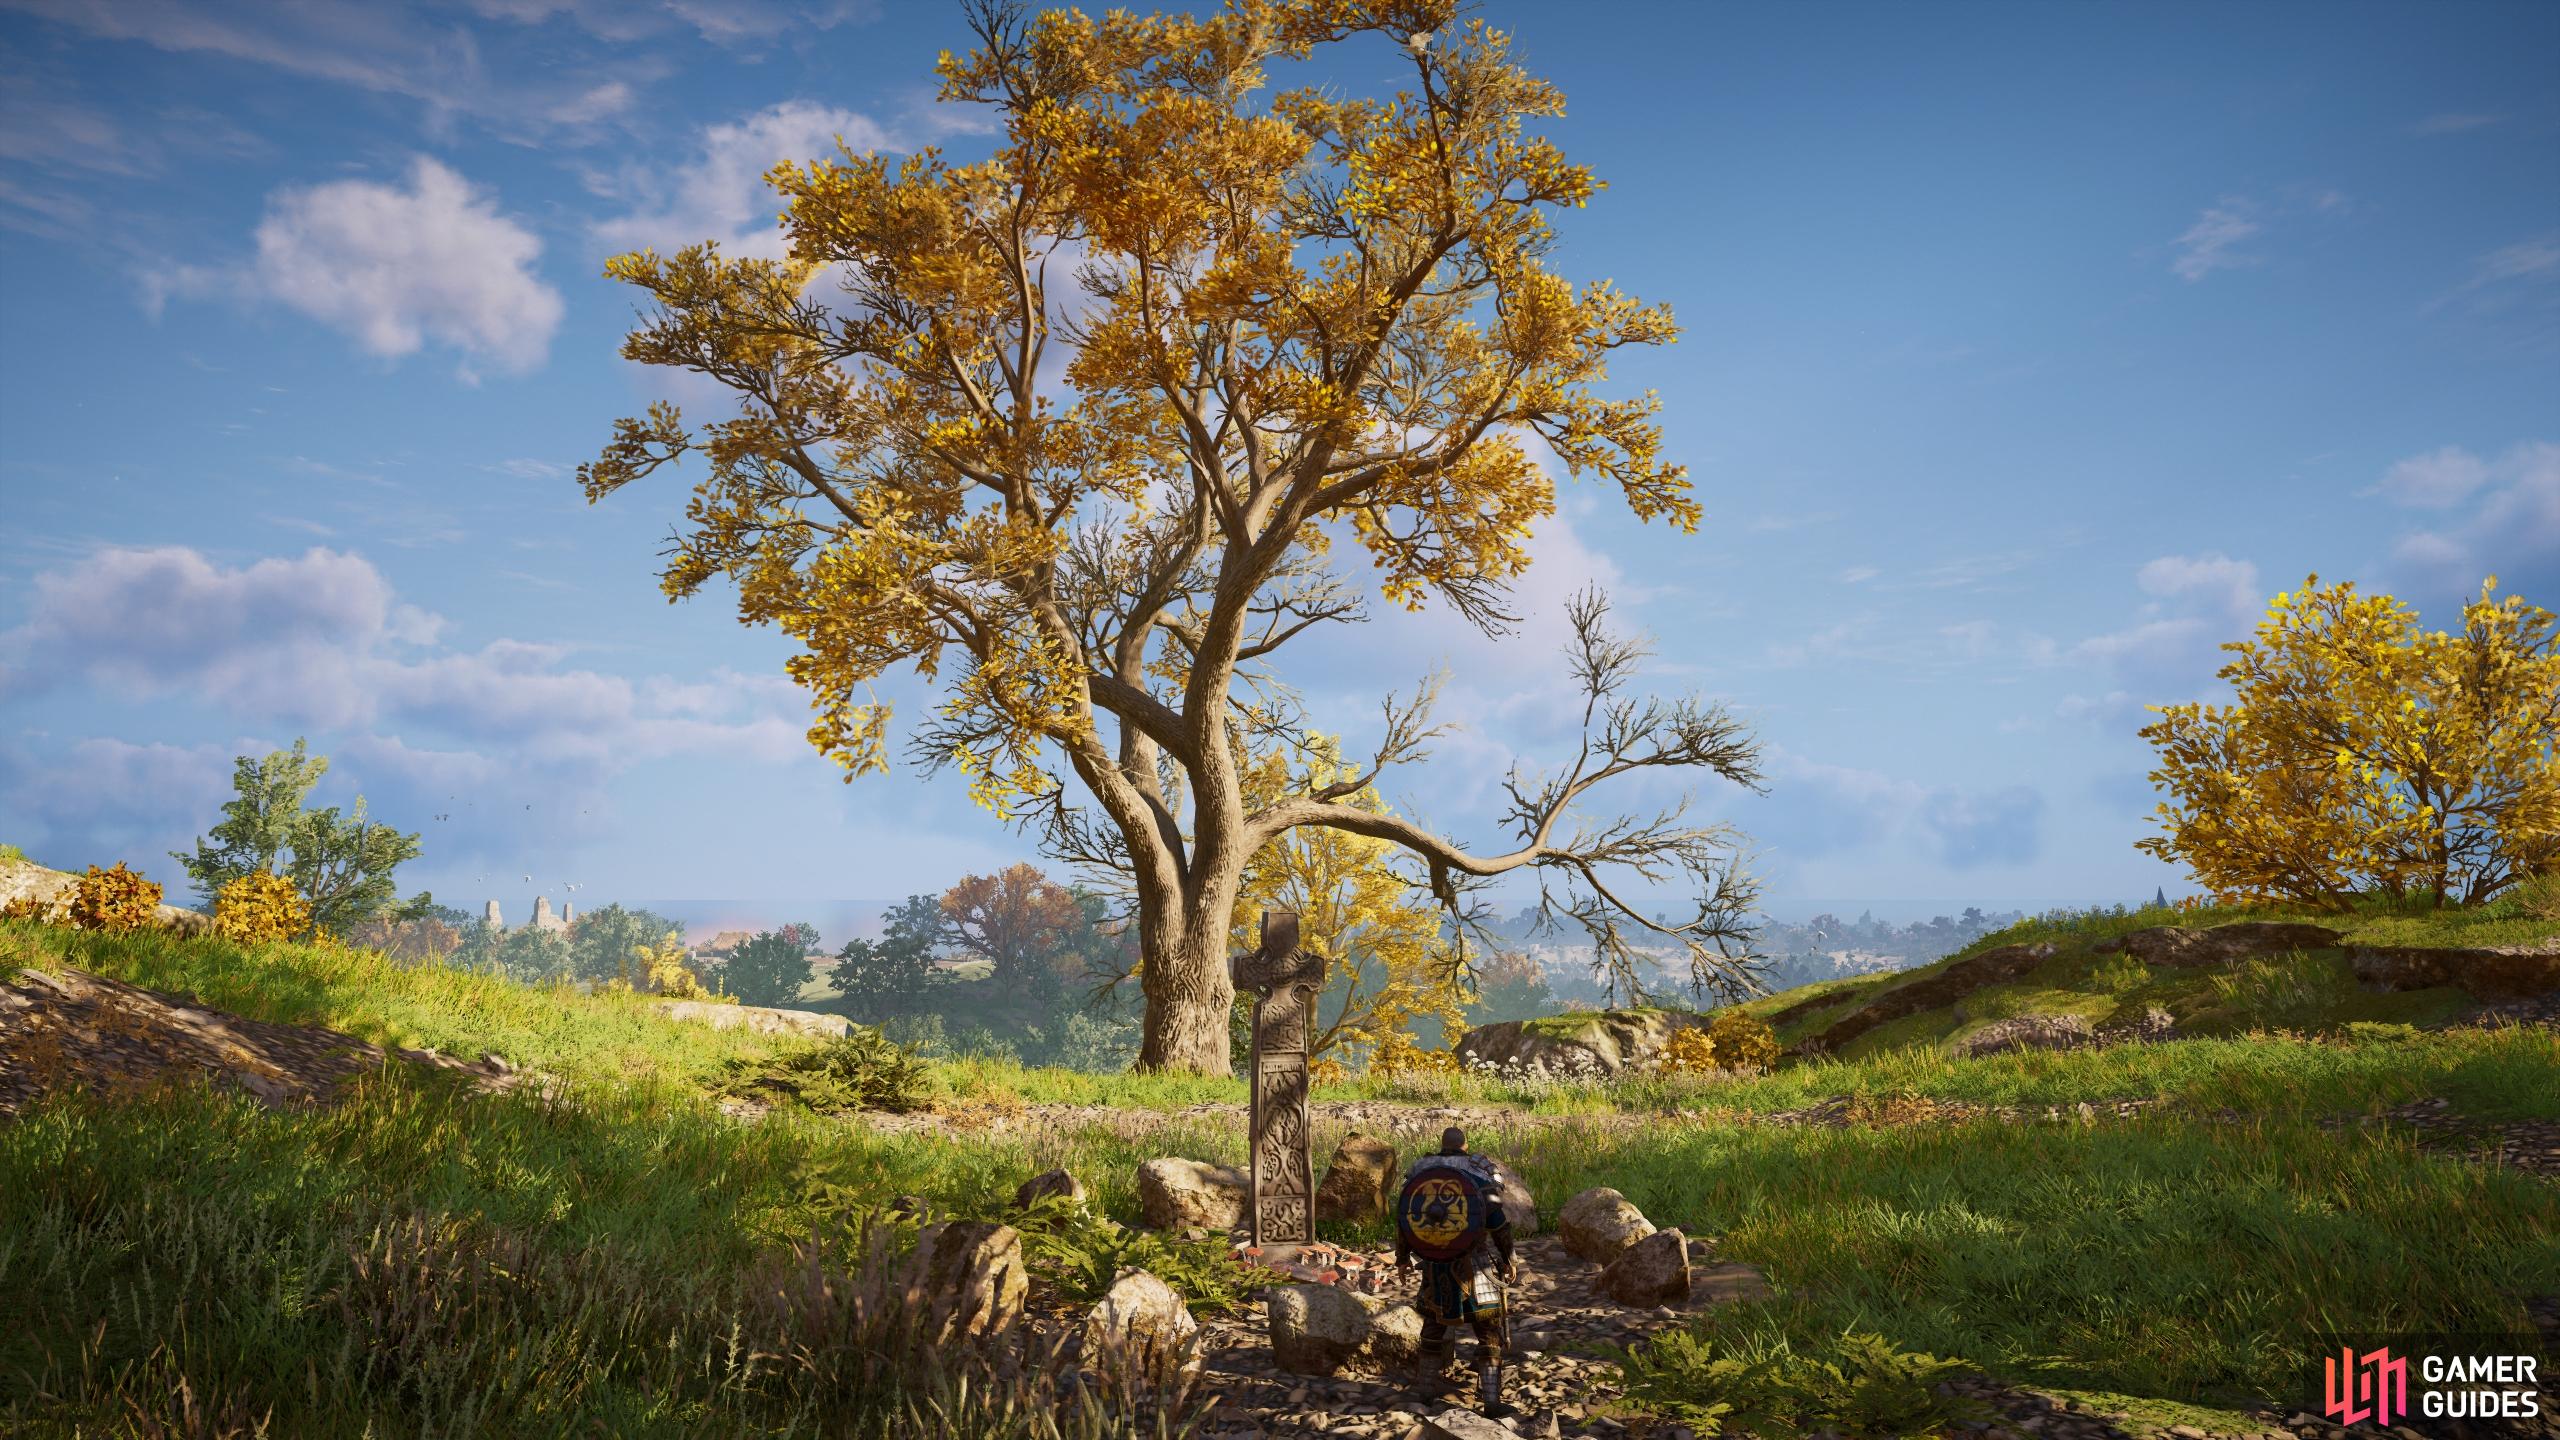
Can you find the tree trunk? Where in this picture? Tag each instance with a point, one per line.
(1189, 994)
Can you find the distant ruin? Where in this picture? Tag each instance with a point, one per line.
(543, 919)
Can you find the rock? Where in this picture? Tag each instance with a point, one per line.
(1177, 1194)
(1518, 1205)
(2026, 1032)
(1596, 1043)
(2150, 1026)
(1599, 1223)
(1395, 1335)
(968, 1276)
(1464, 1425)
(24, 879)
(1315, 1329)
(1359, 1181)
(758, 1018)
(2219, 944)
(1929, 992)
(1140, 1331)
(1653, 1271)
(1046, 1184)
(1729, 1281)
(2492, 972)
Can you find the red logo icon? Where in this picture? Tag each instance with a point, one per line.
(2376, 1389)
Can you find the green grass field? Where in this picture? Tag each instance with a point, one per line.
(606, 1261)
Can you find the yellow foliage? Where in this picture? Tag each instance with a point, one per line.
(1742, 1041)
(260, 906)
(115, 899)
(1386, 966)
(1397, 1054)
(667, 973)
(28, 907)
(2363, 755)
(1730, 1040)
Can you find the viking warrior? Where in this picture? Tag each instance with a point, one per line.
(1450, 1217)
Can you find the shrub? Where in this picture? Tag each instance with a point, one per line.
(1082, 1252)
(1742, 1041)
(861, 1071)
(260, 906)
(1397, 1054)
(28, 907)
(1856, 1385)
(12, 852)
(115, 899)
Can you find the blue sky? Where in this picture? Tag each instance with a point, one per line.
(2028, 349)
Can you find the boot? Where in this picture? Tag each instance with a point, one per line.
(1489, 1393)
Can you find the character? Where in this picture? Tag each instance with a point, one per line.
(1450, 1216)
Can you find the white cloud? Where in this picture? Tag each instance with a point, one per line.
(396, 268)
(2537, 256)
(721, 194)
(2434, 480)
(322, 640)
(2510, 528)
(1814, 808)
(2452, 124)
(2207, 245)
(1858, 574)
(2213, 575)
(2172, 649)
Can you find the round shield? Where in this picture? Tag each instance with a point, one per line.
(1441, 1212)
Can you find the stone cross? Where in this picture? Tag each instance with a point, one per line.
(1288, 980)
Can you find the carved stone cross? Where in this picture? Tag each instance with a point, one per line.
(1288, 980)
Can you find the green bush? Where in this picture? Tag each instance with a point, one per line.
(1760, 1384)
(861, 1071)
(1082, 1252)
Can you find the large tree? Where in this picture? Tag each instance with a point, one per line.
(1286, 321)
(1023, 924)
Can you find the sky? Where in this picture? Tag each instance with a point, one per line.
(2027, 351)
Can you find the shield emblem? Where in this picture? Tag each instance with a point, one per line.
(1441, 1213)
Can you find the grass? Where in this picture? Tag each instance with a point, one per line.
(619, 1259)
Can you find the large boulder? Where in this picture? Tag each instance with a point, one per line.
(1316, 1329)
(1395, 1334)
(1048, 1184)
(1518, 1205)
(966, 1276)
(1652, 1271)
(1178, 1194)
(2219, 944)
(1140, 1331)
(1599, 1223)
(2027, 1032)
(1594, 1043)
(758, 1018)
(1359, 1182)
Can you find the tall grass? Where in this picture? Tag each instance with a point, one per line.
(421, 1260)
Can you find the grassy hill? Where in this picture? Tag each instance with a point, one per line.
(612, 1256)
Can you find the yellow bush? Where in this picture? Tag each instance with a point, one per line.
(1398, 1055)
(115, 899)
(1742, 1041)
(670, 976)
(259, 906)
(1689, 1052)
